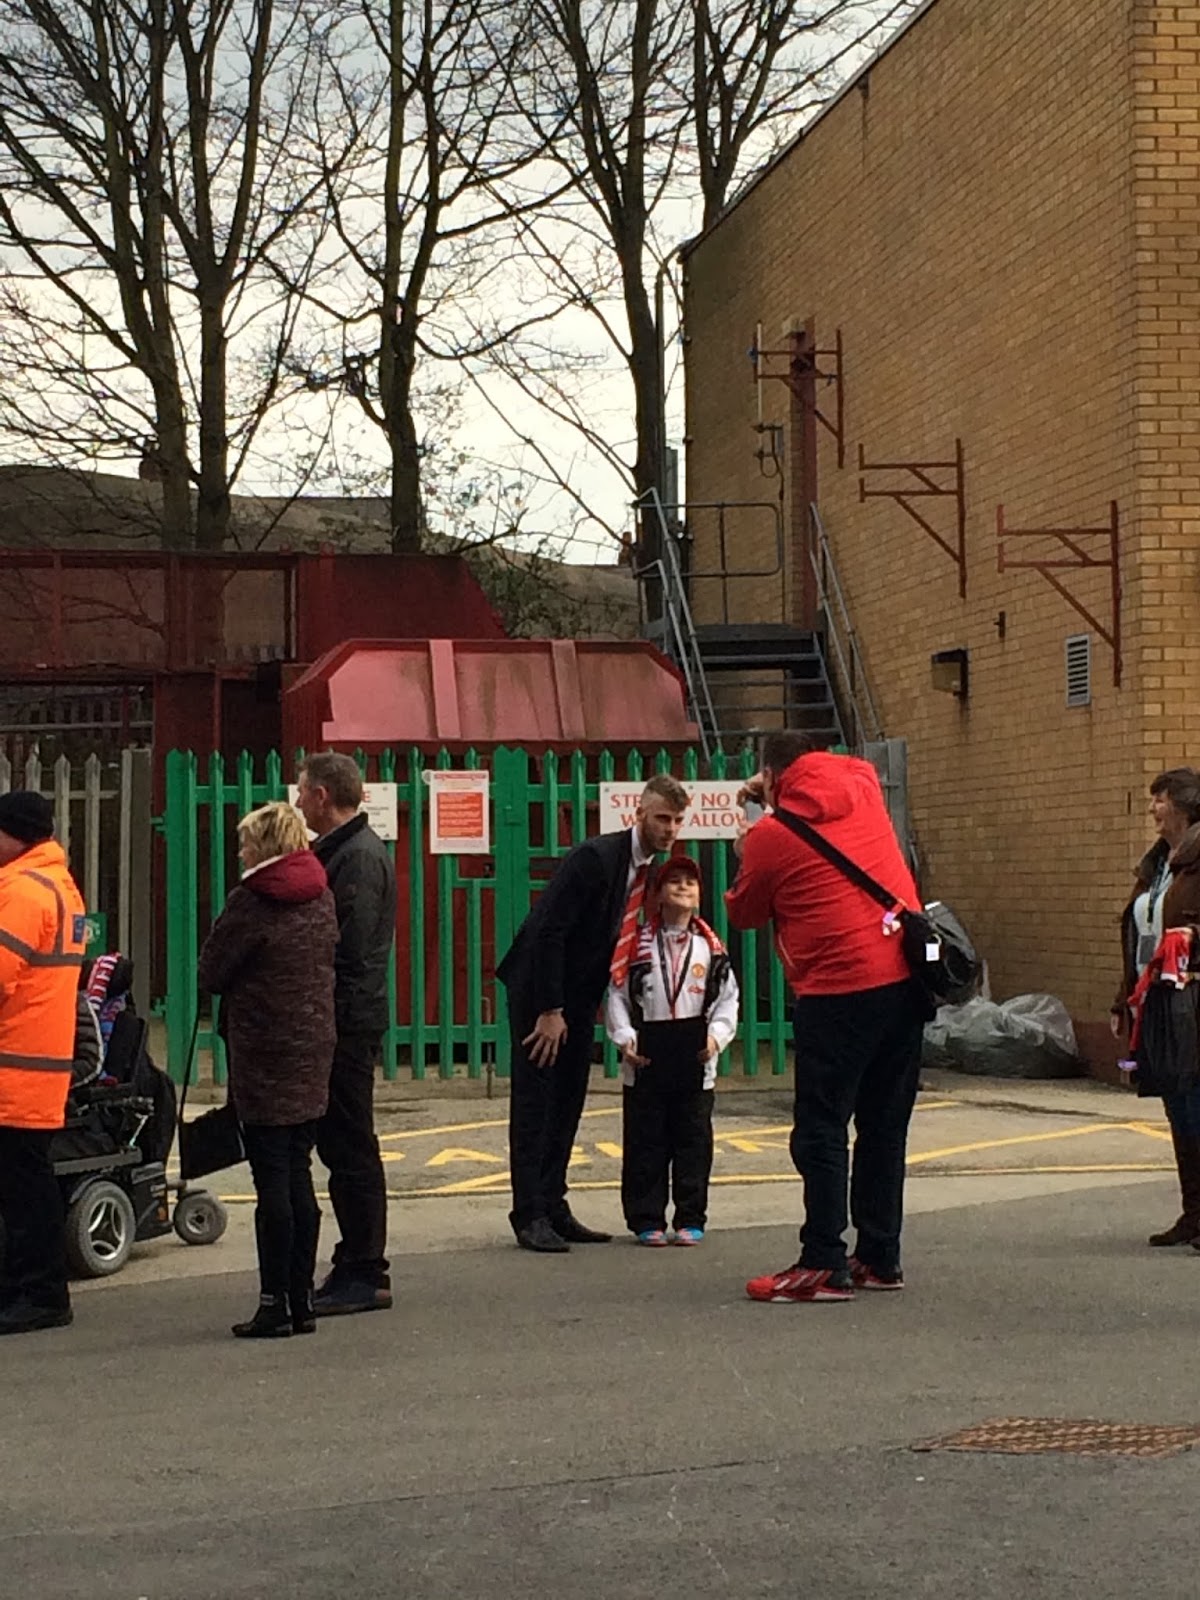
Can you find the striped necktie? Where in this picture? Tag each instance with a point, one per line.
(627, 937)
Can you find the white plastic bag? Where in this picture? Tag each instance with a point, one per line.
(1029, 1036)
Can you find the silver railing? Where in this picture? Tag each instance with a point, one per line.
(679, 629)
(844, 664)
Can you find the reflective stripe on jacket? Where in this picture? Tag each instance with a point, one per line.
(42, 936)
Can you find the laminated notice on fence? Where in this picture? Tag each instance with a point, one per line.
(379, 803)
(714, 812)
(458, 814)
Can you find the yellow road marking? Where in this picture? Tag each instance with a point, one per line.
(497, 1183)
(607, 1148)
(605, 1111)
(473, 1127)
(1151, 1131)
(453, 1153)
(1023, 1138)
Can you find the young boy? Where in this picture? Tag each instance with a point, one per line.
(679, 1004)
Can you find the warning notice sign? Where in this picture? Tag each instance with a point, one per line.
(458, 814)
(714, 812)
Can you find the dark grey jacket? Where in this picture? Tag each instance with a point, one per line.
(363, 881)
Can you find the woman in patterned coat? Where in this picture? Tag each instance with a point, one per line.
(270, 957)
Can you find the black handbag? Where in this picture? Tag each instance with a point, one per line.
(937, 947)
(212, 1141)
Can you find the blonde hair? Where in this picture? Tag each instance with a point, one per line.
(273, 830)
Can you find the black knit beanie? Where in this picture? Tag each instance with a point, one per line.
(27, 816)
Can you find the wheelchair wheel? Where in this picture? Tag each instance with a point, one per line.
(100, 1230)
(200, 1218)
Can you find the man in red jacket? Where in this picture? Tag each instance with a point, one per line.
(858, 1015)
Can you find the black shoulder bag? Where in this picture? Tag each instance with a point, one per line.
(938, 950)
(212, 1141)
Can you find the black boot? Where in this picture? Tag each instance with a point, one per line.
(1186, 1230)
(23, 1315)
(304, 1316)
(272, 1320)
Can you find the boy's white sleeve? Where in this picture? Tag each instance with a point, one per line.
(723, 1018)
(618, 1019)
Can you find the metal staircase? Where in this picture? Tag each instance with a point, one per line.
(744, 676)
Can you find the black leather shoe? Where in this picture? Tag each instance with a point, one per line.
(575, 1233)
(25, 1316)
(272, 1320)
(540, 1236)
(348, 1296)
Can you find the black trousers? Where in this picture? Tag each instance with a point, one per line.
(287, 1218)
(857, 1055)
(545, 1104)
(346, 1143)
(667, 1139)
(31, 1210)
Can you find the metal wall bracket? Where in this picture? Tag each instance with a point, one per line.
(925, 479)
(1078, 558)
(804, 369)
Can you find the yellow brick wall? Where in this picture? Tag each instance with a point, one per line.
(1004, 221)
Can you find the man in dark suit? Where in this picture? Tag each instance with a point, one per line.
(556, 973)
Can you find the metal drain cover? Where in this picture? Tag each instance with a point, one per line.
(1026, 1436)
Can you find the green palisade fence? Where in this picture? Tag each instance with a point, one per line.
(457, 915)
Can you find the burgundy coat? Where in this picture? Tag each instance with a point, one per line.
(270, 958)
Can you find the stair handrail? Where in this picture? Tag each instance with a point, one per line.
(841, 635)
(678, 613)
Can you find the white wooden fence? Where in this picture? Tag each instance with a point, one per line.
(102, 820)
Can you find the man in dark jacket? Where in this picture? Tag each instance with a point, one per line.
(858, 1017)
(363, 880)
(556, 973)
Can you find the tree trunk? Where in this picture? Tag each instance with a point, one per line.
(407, 511)
(213, 502)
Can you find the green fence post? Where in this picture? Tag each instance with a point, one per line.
(416, 909)
(179, 821)
(446, 867)
(275, 786)
(244, 792)
(217, 890)
(387, 774)
(510, 778)
(473, 890)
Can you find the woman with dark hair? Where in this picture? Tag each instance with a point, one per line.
(1166, 901)
(270, 957)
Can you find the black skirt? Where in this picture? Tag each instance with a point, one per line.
(1168, 1048)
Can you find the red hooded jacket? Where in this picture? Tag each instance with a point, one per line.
(829, 933)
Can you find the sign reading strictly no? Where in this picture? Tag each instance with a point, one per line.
(713, 814)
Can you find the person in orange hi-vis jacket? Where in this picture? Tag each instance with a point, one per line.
(42, 937)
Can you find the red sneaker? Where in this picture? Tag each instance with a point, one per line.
(802, 1283)
(865, 1277)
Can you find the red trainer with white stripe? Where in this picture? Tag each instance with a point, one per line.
(801, 1284)
(866, 1277)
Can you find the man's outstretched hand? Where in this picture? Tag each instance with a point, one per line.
(545, 1041)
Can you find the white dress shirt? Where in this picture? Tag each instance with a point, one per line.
(639, 857)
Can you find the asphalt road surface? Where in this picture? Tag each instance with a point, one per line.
(621, 1422)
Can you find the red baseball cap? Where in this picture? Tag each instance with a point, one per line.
(681, 866)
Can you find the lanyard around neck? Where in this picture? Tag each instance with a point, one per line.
(672, 984)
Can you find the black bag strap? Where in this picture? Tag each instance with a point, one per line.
(187, 1068)
(863, 880)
